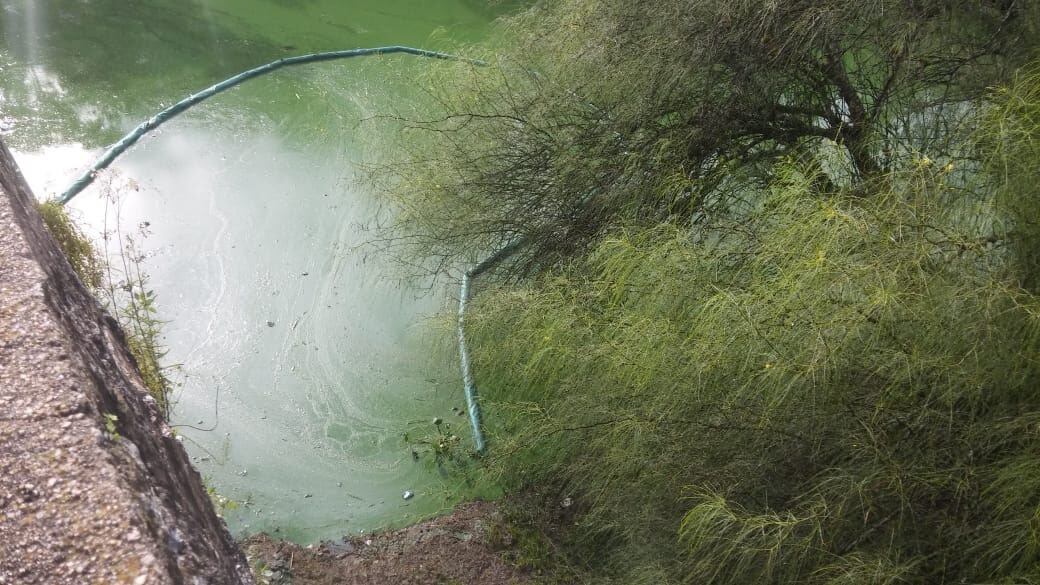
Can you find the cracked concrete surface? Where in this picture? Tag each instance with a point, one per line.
(79, 504)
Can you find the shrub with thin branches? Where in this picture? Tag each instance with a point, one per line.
(831, 388)
(600, 112)
(774, 318)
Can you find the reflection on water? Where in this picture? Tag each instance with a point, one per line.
(302, 365)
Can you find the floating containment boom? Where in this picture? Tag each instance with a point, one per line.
(155, 121)
(472, 404)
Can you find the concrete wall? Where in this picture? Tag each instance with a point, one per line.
(80, 504)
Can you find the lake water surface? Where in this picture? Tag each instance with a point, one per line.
(302, 364)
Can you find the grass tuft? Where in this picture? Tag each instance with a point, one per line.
(78, 248)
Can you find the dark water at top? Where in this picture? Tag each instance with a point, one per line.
(253, 216)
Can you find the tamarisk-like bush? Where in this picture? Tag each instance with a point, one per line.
(828, 388)
(775, 316)
(595, 113)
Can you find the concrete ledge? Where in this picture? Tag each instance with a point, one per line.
(79, 504)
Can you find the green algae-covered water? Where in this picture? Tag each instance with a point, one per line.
(302, 364)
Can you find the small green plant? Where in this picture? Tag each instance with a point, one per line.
(134, 303)
(123, 289)
(442, 444)
(110, 425)
(128, 295)
(221, 503)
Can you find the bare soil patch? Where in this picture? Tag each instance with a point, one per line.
(466, 547)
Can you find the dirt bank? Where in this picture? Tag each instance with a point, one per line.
(467, 547)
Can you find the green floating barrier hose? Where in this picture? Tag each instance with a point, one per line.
(155, 121)
(472, 404)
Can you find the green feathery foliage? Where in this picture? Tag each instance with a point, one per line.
(775, 316)
(598, 113)
(1011, 149)
(829, 388)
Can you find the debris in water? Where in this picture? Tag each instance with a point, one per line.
(409, 494)
(270, 323)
